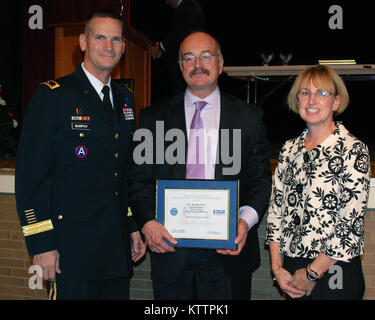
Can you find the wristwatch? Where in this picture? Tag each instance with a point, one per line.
(311, 274)
(309, 277)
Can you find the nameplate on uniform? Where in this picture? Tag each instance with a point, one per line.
(80, 122)
(78, 125)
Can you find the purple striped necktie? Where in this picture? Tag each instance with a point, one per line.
(195, 169)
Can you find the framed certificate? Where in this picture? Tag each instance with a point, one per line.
(199, 213)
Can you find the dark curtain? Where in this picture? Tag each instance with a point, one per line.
(38, 45)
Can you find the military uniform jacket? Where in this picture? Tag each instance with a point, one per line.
(72, 177)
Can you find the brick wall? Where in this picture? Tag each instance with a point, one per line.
(368, 259)
(141, 283)
(15, 262)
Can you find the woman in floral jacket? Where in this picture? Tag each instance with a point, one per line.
(315, 224)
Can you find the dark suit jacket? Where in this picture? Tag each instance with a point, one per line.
(71, 177)
(254, 177)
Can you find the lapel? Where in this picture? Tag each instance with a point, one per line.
(118, 102)
(176, 115)
(175, 118)
(91, 98)
(227, 121)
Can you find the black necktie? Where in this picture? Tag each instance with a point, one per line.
(106, 100)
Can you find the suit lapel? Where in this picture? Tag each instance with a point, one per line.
(227, 121)
(176, 119)
(117, 103)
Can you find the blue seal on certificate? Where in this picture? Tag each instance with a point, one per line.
(209, 212)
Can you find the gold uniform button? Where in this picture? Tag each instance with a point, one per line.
(116, 194)
(117, 135)
(81, 134)
(117, 155)
(116, 174)
(129, 213)
(59, 217)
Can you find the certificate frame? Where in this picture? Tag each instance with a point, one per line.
(232, 216)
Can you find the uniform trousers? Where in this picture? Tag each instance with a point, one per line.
(109, 289)
(203, 278)
(343, 281)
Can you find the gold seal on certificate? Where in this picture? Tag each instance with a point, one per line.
(199, 213)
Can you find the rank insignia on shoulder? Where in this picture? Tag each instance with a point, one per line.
(52, 84)
(131, 91)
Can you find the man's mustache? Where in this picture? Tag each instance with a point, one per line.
(199, 70)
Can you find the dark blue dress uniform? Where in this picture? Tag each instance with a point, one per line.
(72, 177)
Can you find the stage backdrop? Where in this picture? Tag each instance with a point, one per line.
(38, 44)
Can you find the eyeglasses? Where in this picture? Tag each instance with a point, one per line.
(305, 94)
(204, 57)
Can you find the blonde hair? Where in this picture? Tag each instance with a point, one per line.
(324, 78)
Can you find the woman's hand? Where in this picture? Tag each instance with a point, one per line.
(285, 281)
(301, 282)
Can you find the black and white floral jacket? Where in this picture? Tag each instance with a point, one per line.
(319, 197)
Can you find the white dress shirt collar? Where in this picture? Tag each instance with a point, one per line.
(97, 84)
(212, 100)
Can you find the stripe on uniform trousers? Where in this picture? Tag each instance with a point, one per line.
(52, 290)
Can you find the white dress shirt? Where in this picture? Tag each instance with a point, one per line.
(210, 116)
(98, 85)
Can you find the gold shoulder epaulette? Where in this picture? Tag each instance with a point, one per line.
(131, 91)
(52, 84)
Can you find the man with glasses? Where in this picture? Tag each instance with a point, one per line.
(181, 273)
